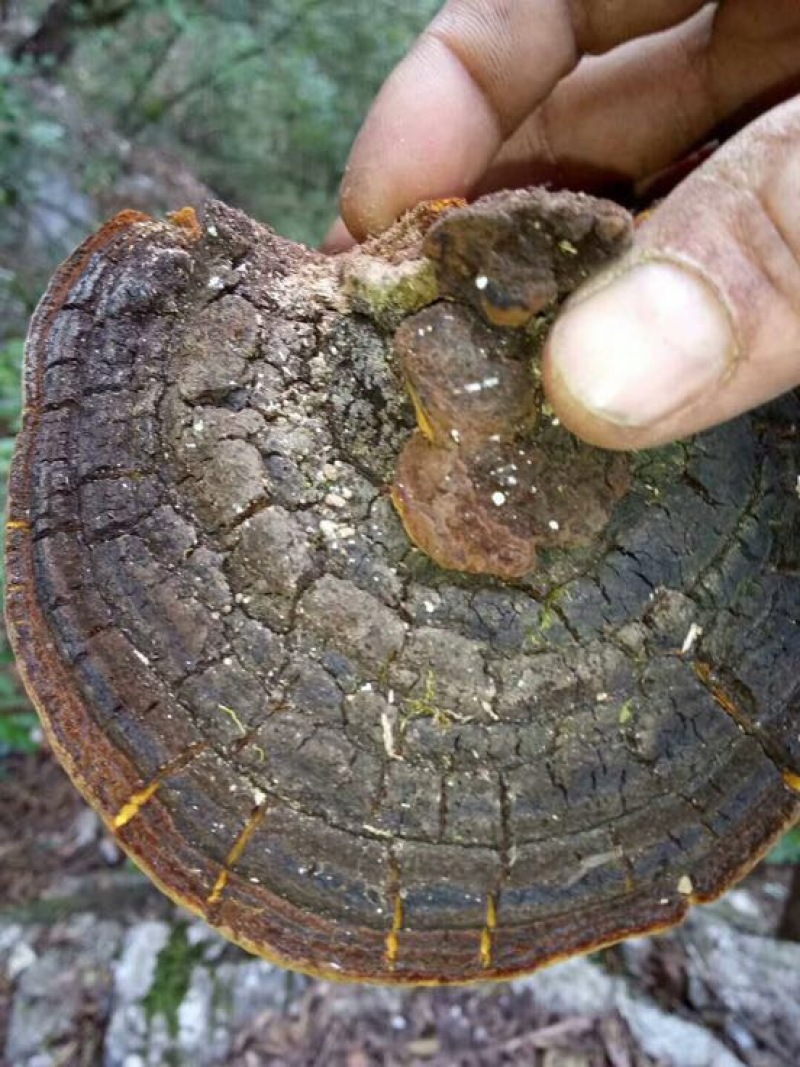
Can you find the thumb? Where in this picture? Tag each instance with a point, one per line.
(701, 319)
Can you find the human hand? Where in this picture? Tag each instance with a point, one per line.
(701, 320)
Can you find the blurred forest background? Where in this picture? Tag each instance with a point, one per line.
(153, 104)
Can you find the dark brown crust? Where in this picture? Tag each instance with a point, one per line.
(529, 248)
(264, 921)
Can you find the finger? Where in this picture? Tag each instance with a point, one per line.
(471, 78)
(337, 239)
(701, 320)
(629, 114)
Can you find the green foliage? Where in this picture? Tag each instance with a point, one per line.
(10, 372)
(33, 146)
(19, 727)
(19, 730)
(787, 849)
(26, 133)
(264, 99)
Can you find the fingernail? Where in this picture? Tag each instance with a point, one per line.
(644, 346)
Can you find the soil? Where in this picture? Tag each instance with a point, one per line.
(47, 833)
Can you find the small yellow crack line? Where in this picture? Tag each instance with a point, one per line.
(487, 934)
(137, 801)
(392, 938)
(18, 524)
(239, 845)
(706, 675)
(135, 804)
(394, 895)
(232, 714)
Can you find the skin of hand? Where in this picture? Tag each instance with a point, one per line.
(701, 319)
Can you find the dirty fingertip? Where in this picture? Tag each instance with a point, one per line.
(637, 352)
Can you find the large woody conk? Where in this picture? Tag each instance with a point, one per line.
(357, 651)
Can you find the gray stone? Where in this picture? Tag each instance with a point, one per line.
(11, 935)
(257, 986)
(129, 1032)
(580, 986)
(221, 997)
(52, 989)
(46, 1003)
(196, 1030)
(134, 973)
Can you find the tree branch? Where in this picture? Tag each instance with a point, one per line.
(53, 41)
(212, 79)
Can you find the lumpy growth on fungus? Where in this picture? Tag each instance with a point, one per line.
(489, 474)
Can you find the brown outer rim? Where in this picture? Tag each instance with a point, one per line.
(50, 684)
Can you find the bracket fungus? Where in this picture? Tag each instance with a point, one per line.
(357, 652)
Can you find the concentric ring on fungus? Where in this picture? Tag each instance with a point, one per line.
(357, 652)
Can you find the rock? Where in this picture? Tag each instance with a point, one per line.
(135, 971)
(581, 986)
(19, 960)
(177, 1001)
(68, 976)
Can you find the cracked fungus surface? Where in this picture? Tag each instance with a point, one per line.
(343, 755)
